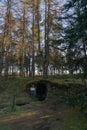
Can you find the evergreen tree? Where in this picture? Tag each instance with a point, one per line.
(76, 34)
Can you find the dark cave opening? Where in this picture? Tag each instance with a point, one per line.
(41, 91)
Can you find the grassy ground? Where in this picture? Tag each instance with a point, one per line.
(30, 114)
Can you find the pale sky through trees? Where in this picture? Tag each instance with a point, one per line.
(33, 34)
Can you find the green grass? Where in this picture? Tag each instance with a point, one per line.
(5, 127)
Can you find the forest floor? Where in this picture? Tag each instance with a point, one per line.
(50, 114)
(30, 114)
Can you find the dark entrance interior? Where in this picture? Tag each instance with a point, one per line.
(41, 91)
